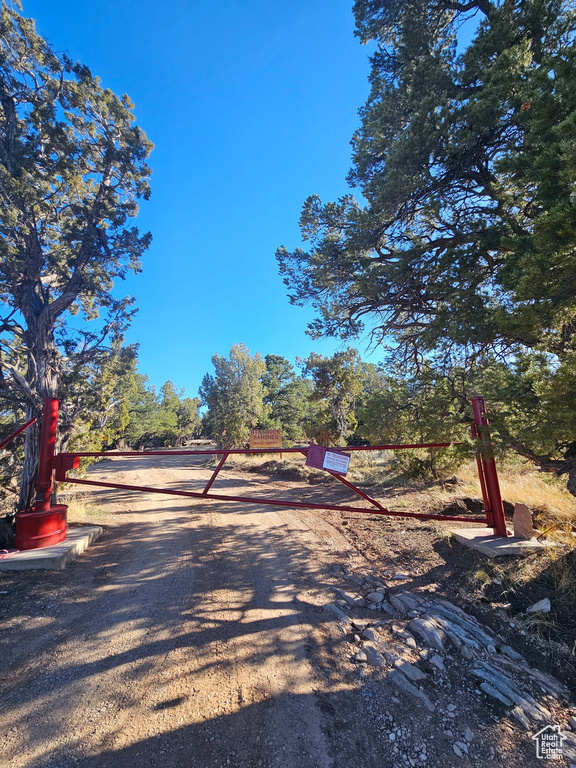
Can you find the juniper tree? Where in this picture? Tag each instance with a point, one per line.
(73, 165)
(462, 243)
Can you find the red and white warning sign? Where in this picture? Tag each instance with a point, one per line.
(328, 459)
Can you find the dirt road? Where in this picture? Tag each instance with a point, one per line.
(196, 634)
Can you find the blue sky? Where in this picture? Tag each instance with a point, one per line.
(251, 106)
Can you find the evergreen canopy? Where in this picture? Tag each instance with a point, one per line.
(466, 161)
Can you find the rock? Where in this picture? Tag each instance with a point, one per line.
(361, 657)
(401, 576)
(518, 713)
(437, 662)
(522, 521)
(542, 606)
(398, 604)
(513, 655)
(409, 599)
(410, 671)
(356, 579)
(466, 623)
(338, 613)
(353, 600)
(374, 657)
(399, 680)
(508, 688)
(495, 693)
(376, 597)
(391, 656)
(468, 734)
(468, 653)
(476, 506)
(385, 606)
(360, 624)
(460, 748)
(548, 682)
(429, 632)
(371, 634)
(572, 722)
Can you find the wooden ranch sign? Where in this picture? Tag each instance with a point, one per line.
(265, 438)
(328, 459)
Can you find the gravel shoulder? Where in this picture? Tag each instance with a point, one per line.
(223, 634)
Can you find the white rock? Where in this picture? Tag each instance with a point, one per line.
(360, 624)
(542, 606)
(374, 657)
(460, 748)
(429, 632)
(371, 634)
(410, 671)
(361, 657)
(520, 715)
(437, 662)
(398, 679)
(354, 600)
(468, 734)
(375, 597)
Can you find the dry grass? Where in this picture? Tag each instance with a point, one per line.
(520, 482)
(82, 509)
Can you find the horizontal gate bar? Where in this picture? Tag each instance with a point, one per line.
(276, 502)
(220, 451)
(17, 432)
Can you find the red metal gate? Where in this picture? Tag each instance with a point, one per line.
(43, 525)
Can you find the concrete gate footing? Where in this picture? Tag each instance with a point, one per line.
(484, 541)
(56, 556)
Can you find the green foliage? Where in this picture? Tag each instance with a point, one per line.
(234, 396)
(467, 166)
(287, 398)
(73, 166)
(427, 407)
(461, 251)
(336, 383)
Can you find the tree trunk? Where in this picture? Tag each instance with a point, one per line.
(42, 377)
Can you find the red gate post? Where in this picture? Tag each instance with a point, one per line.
(46, 525)
(480, 467)
(47, 446)
(489, 481)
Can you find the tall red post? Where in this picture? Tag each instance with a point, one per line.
(46, 525)
(488, 476)
(480, 466)
(46, 460)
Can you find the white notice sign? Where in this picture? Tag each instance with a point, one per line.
(337, 462)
